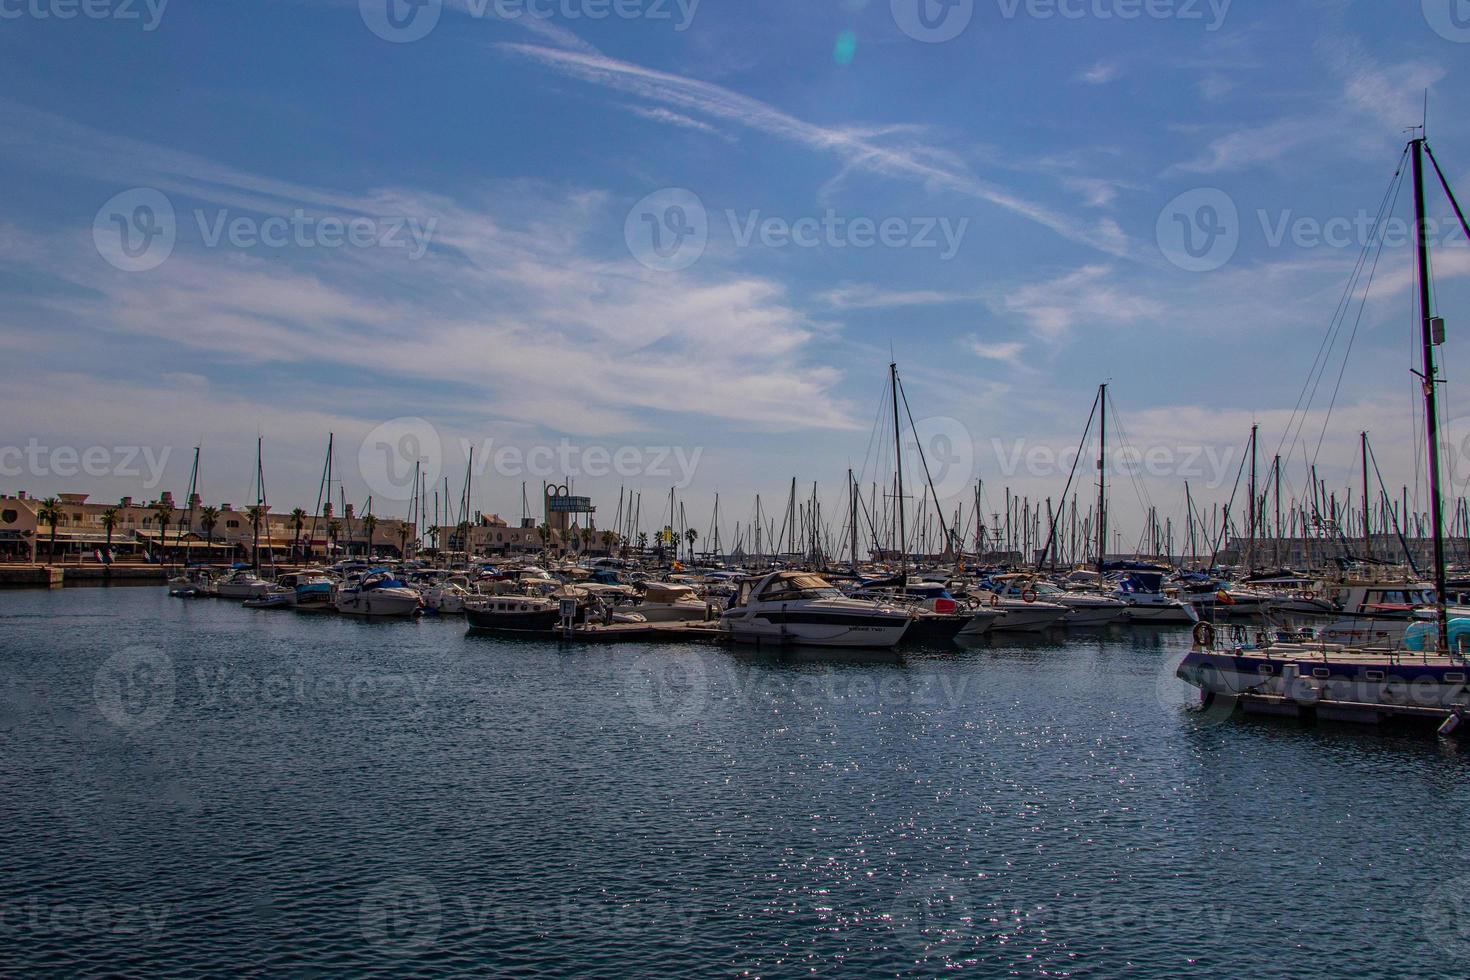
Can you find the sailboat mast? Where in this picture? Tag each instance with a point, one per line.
(1255, 506)
(1276, 476)
(898, 462)
(1430, 380)
(259, 501)
(1102, 479)
(1367, 515)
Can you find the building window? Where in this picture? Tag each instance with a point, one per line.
(232, 523)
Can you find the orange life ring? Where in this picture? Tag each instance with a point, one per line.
(1028, 594)
(994, 600)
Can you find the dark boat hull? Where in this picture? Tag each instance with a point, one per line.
(538, 620)
(935, 628)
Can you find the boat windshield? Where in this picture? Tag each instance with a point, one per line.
(800, 587)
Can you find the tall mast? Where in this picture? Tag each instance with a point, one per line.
(898, 461)
(1367, 517)
(1251, 564)
(1102, 479)
(189, 520)
(1430, 379)
(1276, 535)
(259, 502)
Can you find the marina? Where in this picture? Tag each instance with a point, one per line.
(1078, 772)
(876, 489)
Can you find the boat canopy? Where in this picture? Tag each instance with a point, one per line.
(669, 592)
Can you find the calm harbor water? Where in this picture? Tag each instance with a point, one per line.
(190, 785)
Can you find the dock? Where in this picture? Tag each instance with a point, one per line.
(56, 576)
(30, 577)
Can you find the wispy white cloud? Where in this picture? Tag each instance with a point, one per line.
(1008, 352)
(1365, 93)
(930, 166)
(1101, 73)
(1391, 95)
(661, 115)
(1055, 307)
(509, 292)
(867, 297)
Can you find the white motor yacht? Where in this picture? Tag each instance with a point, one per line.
(1143, 591)
(804, 608)
(1084, 609)
(378, 594)
(672, 602)
(242, 584)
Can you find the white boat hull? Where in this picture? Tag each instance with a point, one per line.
(379, 602)
(1029, 617)
(241, 590)
(1162, 614)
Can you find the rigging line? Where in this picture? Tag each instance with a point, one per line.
(1372, 458)
(1052, 534)
(873, 432)
(1352, 338)
(1225, 522)
(1386, 208)
(1454, 203)
(923, 459)
(1139, 490)
(1334, 324)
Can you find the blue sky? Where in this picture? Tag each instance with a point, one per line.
(502, 171)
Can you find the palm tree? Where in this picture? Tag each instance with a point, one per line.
(403, 529)
(109, 521)
(544, 533)
(334, 531)
(165, 513)
(208, 519)
(255, 514)
(607, 541)
(49, 514)
(369, 525)
(691, 536)
(642, 540)
(298, 521)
